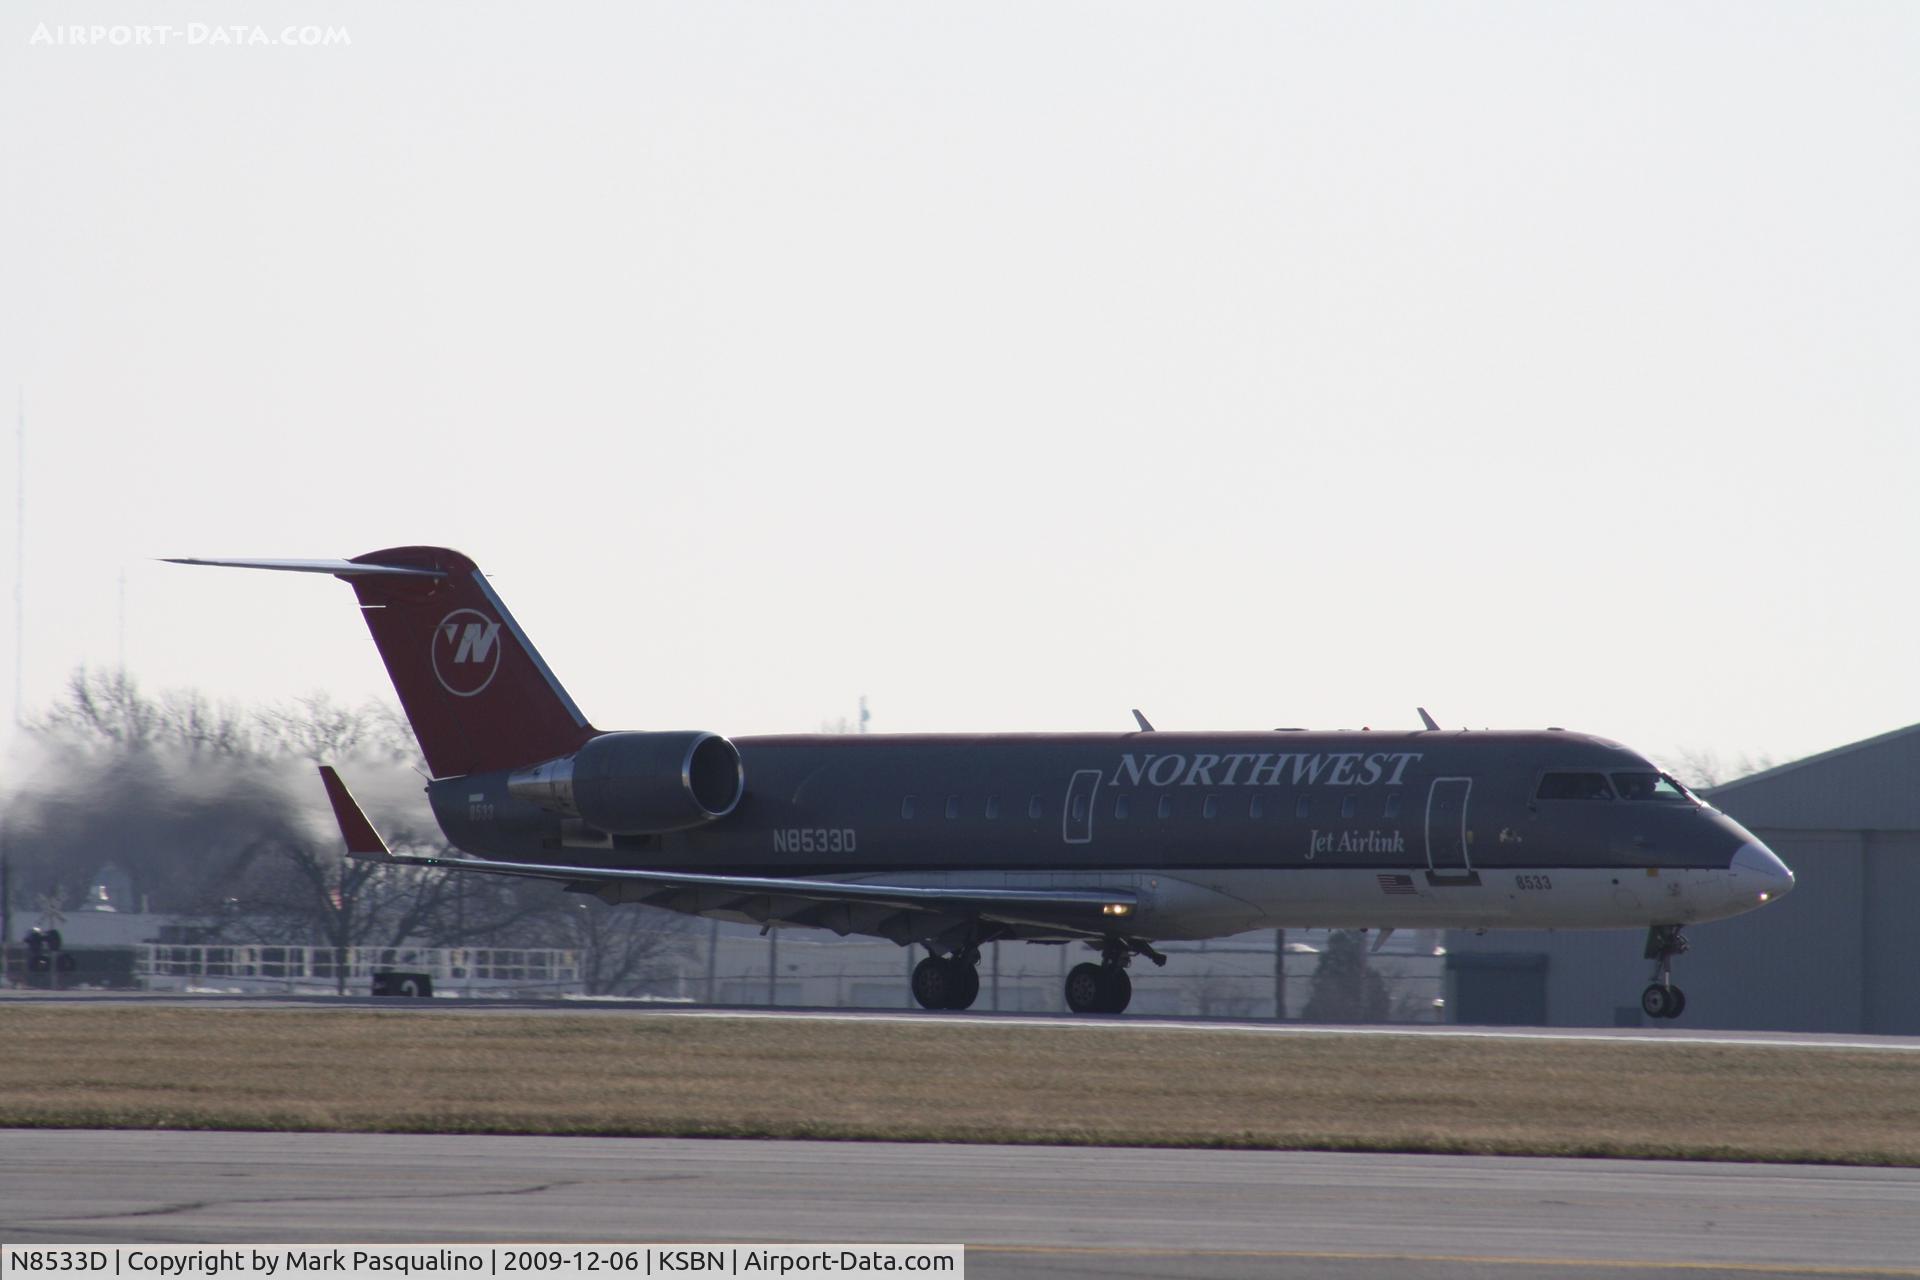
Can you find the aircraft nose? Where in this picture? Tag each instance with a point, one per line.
(1758, 875)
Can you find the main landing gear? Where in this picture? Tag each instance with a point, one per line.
(1097, 988)
(1662, 999)
(1105, 987)
(948, 982)
(953, 981)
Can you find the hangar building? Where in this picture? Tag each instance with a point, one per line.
(1840, 953)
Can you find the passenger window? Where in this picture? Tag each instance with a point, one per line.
(1079, 808)
(993, 808)
(1575, 786)
(1035, 809)
(1347, 805)
(1121, 804)
(1303, 807)
(1254, 808)
(953, 807)
(906, 807)
(1166, 806)
(1212, 808)
(1393, 805)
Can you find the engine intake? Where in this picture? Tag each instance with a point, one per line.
(639, 783)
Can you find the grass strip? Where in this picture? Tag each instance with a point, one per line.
(425, 1072)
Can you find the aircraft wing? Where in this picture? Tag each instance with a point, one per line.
(1081, 908)
(790, 899)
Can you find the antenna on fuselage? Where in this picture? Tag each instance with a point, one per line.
(1141, 721)
(1426, 719)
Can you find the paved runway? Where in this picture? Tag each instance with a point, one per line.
(1677, 1034)
(1022, 1211)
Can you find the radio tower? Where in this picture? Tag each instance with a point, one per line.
(20, 570)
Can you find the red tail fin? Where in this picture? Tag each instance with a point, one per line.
(478, 695)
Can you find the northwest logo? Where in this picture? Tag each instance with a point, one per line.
(466, 652)
(1265, 769)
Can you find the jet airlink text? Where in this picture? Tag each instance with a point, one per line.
(1355, 842)
(1264, 769)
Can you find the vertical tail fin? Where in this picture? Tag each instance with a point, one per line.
(478, 695)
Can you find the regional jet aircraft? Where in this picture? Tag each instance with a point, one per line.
(1114, 841)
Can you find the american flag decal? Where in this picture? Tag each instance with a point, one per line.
(1396, 884)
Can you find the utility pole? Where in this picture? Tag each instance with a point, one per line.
(1279, 975)
(773, 965)
(713, 957)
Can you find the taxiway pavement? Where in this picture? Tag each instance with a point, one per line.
(1022, 1211)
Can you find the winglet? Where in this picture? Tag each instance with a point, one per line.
(1141, 721)
(362, 840)
(1425, 718)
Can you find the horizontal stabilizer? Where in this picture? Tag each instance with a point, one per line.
(343, 568)
(362, 840)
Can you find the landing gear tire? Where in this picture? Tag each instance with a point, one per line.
(1659, 1001)
(1084, 988)
(945, 983)
(967, 984)
(1098, 988)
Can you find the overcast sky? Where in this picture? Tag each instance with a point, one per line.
(1011, 364)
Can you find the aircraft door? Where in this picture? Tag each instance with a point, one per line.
(1076, 818)
(1447, 857)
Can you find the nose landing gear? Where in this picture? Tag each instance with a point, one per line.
(1662, 999)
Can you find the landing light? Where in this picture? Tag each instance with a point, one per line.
(1116, 909)
(1765, 896)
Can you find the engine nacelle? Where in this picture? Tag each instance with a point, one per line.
(633, 784)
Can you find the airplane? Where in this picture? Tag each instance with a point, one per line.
(1114, 841)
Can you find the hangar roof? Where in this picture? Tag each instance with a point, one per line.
(1871, 785)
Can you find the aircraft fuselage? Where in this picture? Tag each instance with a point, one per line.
(1216, 833)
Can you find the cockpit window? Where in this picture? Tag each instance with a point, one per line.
(1650, 786)
(1575, 786)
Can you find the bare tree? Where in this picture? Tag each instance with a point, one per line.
(1698, 767)
(1702, 768)
(196, 801)
(1345, 987)
(298, 893)
(624, 950)
(106, 710)
(170, 789)
(1214, 994)
(216, 813)
(318, 729)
